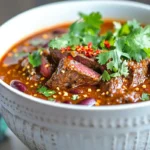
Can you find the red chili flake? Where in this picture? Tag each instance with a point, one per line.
(68, 48)
(70, 57)
(107, 44)
(85, 50)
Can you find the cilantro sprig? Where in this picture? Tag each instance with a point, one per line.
(35, 58)
(81, 32)
(45, 91)
(145, 97)
(133, 46)
(126, 28)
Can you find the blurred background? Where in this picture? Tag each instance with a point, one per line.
(8, 9)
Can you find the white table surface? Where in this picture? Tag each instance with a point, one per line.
(12, 143)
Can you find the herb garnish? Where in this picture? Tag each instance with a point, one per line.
(75, 97)
(45, 91)
(129, 41)
(81, 32)
(125, 29)
(145, 97)
(105, 76)
(35, 58)
(135, 46)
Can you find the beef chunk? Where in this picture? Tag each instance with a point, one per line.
(114, 86)
(130, 97)
(137, 72)
(137, 75)
(57, 55)
(71, 73)
(89, 62)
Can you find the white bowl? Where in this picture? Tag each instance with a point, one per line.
(45, 125)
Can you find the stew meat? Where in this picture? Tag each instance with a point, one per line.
(71, 77)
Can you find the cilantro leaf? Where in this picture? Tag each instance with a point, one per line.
(126, 28)
(75, 97)
(133, 24)
(35, 58)
(114, 61)
(147, 51)
(92, 20)
(105, 76)
(59, 43)
(114, 57)
(124, 69)
(45, 91)
(81, 32)
(145, 97)
(104, 57)
(137, 43)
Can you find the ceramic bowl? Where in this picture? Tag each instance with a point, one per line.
(43, 125)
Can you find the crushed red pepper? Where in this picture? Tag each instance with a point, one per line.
(88, 50)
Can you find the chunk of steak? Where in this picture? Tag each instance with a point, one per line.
(57, 55)
(137, 75)
(137, 72)
(71, 73)
(129, 97)
(89, 62)
(114, 86)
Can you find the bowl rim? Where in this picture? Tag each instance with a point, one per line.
(78, 107)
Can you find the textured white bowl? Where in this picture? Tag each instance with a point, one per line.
(45, 125)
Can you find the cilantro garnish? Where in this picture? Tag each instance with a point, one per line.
(81, 32)
(75, 97)
(35, 58)
(45, 91)
(145, 97)
(114, 62)
(126, 28)
(135, 46)
(105, 76)
(129, 41)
